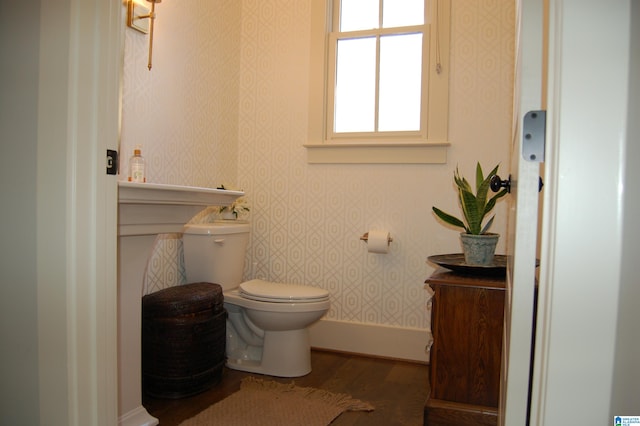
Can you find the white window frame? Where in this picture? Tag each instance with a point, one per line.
(426, 146)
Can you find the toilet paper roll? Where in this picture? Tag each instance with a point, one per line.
(378, 241)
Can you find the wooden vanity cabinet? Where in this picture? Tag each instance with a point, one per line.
(467, 324)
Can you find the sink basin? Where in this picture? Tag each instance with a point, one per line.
(159, 193)
(154, 208)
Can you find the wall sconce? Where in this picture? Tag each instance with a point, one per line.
(140, 18)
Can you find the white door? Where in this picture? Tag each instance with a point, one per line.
(586, 363)
(523, 220)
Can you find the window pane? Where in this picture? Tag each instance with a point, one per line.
(358, 15)
(400, 82)
(400, 13)
(355, 85)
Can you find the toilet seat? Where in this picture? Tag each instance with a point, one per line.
(266, 291)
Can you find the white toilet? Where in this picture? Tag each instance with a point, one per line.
(267, 327)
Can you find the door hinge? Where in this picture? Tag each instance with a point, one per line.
(534, 126)
(112, 162)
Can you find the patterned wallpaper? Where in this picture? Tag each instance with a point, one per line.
(227, 102)
(184, 112)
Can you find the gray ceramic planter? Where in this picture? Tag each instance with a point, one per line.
(479, 249)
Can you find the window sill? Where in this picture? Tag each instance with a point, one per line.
(414, 153)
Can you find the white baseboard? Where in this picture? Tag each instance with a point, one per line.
(411, 344)
(137, 417)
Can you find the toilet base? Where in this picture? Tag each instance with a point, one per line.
(284, 354)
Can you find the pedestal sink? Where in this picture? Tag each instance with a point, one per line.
(144, 211)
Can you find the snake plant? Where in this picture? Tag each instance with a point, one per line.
(474, 206)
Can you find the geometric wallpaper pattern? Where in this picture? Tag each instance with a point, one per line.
(307, 219)
(165, 266)
(183, 112)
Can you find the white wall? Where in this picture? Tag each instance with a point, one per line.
(19, 41)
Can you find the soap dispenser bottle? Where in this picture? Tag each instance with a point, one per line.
(137, 167)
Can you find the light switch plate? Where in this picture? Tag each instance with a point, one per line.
(134, 12)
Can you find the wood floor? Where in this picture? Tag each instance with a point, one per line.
(397, 389)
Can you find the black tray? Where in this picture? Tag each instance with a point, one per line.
(455, 262)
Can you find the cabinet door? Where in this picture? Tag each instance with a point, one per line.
(467, 344)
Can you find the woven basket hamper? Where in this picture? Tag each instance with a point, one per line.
(183, 340)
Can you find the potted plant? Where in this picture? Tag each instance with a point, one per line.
(478, 244)
(231, 212)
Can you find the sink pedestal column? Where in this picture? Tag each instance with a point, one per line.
(144, 211)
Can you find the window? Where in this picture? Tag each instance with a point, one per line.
(384, 85)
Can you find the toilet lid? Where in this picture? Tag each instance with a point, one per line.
(267, 291)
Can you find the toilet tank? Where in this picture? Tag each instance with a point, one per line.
(215, 252)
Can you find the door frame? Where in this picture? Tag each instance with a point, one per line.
(523, 221)
(80, 71)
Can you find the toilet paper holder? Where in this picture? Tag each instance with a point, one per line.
(365, 237)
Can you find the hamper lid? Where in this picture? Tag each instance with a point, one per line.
(183, 299)
(270, 291)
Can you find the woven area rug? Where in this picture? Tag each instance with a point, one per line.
(266, 403)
